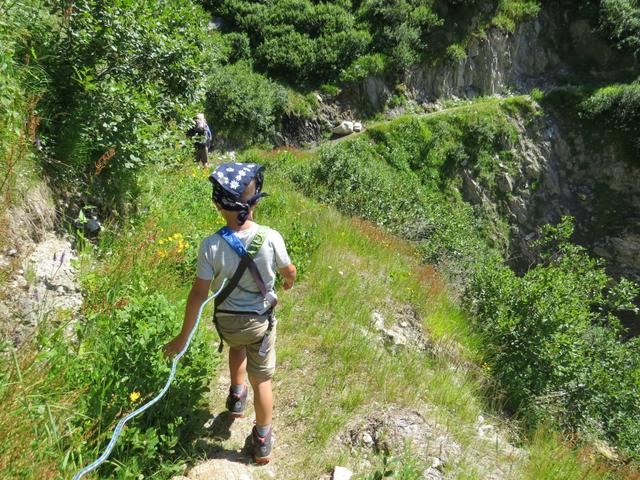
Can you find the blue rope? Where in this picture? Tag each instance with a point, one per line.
(153, 401)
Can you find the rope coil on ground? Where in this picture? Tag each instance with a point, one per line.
(116, 433)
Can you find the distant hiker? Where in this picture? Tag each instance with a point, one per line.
(247, 256)
(203, 138)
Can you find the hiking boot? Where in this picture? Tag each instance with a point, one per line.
(261, 446)
(236, 402)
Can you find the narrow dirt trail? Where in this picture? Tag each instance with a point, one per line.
(444, 111)
(225, 444)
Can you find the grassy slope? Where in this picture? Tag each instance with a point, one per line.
(329, 372)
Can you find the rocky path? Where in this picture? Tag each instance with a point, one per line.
(225, 445)
(440, 111)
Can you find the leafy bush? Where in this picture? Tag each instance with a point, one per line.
(401, 28)
(129, 369)
(619, 20)
(617, 108)
(120, 72)
(243, 104)
(554, 341)
(297, 40)
(372, 65)
(512, 12)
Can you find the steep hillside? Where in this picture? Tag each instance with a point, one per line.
(395, 374)
(455, 316)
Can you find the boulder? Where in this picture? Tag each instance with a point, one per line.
(343, 128)
(341, 473)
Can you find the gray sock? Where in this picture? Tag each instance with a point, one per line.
(262, 430)
(237, 389)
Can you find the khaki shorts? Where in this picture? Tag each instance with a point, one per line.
(247, 331)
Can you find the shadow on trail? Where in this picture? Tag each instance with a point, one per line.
(219, 427)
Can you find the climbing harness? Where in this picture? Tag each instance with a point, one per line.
(246, 262)
(150, 403)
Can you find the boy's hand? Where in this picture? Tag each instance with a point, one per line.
(289, 273)
(172, 348)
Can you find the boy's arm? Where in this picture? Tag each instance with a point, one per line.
(289, 273)
(197, 295)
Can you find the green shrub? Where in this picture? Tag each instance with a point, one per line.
(244, 105)
(456, 53)
(123, 367)
(299, 41)
(617, 108)
(619, 21)
(120, 72)
(554, 342)
(372, 65)
(512, 12)
(401, 28)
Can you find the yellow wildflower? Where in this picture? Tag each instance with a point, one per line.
(135, 395)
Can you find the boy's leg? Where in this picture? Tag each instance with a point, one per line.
(237, 397)
(261, 435)
(263, 400)
(237, 365)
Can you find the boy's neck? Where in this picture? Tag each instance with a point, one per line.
(233, 225)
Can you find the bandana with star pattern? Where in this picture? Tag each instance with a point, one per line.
(230, 180)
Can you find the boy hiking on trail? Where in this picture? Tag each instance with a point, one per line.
(247, 256)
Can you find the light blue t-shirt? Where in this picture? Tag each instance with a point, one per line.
(217, 261)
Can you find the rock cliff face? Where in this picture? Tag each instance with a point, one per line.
(560, 172)
(552, 49)
(40, 280)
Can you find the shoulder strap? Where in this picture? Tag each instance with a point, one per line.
(246, 261)
(258, 241)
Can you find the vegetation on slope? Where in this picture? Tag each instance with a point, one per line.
(62, 403)
(551, 336)
(113, 84)
(308, 43)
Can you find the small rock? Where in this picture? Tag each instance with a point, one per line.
(20, 272)
(437, 463)
(357, 127)
(343, 128)
(404, 324)
(396, 337)
(487, 431)
(341, 473)
(378, 320)
(367, 439)
(93, 226)
(432, 474)
(505, 183)
(60, 290)
(12, 252)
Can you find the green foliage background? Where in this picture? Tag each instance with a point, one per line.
(552, 337)
(89, 77)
